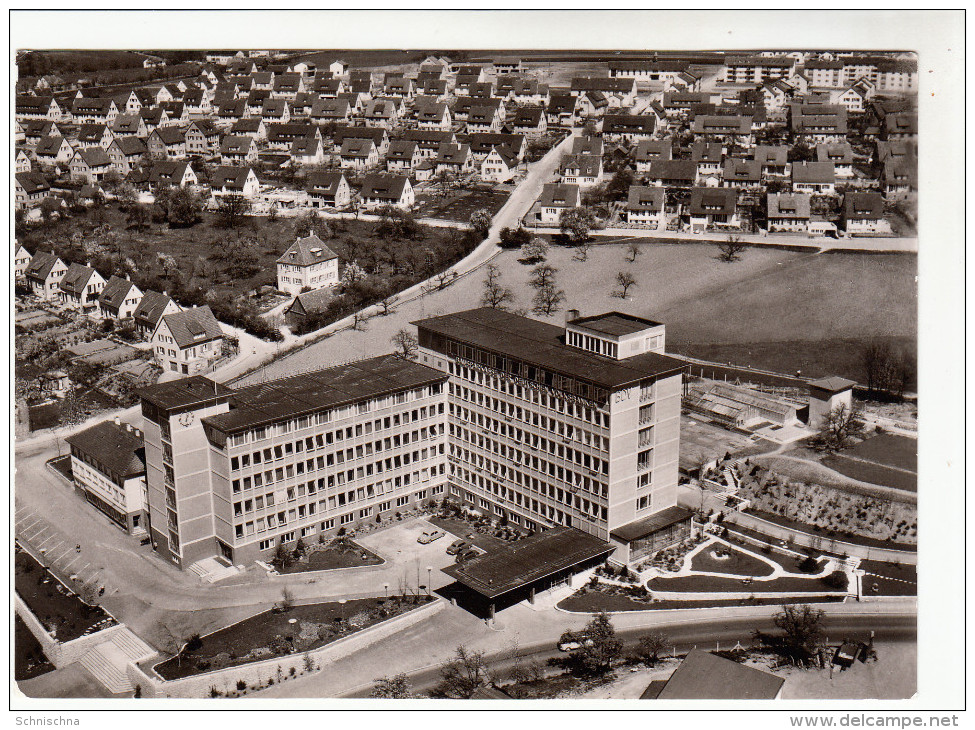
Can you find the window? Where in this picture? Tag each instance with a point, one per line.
(401, 501)
(265, 544)
(346, 519)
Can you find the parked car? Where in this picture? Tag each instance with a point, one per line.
(571, 644)
(428, 537)
(456, 546)
(467, 554)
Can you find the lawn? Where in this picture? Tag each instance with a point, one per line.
(57, 608)
(276, 633)
(595, 602)
(873, 473)
(735, 563)
(711, 584)
(344, 554)
(808, 467)
(684, 285)
(890, 449)
(459, 205)
(832, 534)
(29, 659)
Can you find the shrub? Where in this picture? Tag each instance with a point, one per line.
(837, 580)
(194, 643)
(809, 565)
(241, 684)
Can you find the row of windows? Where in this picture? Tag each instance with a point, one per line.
(564, 431)
(261, 433)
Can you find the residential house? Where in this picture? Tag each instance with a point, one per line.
(232, 180)
(592, 105)
(52, 151)
(27, 106)
(528, 91)
(507, 65)
(302, 105)
(197, 103)
(756, 69)
(619, 92)
(307, 264)
(34, 130)
(840, 155)
(586, 145)
(530, 121)
(428, 141)
(308, 151)
(402, 156)
(742, 174)
(287, 86)
(90, 165)
(275, 111)
(399, 87)
(853, 98)
(238, 150)
(380, 113)
(358, 154)
(561, 110)
(188, 342)
(328, 190)
(684, 81)
(898, 177)
(863, 215)
(22, 161)
(659, 72)
(94, 135)
(677, 104)
(724, 128)
(119, 299)
(434, 116)
(899, 126)
(484, 118)
(202, 138)
(360, 82)
(645, 207)
(90, 110)
(30, 188)
(155, 118)
(555, 199)
(163, 173)
(818, 123)
(499, 166)
(129, 125)
(150, 311)
(80, 288)
(628, 127)
(22, 259)
(43, 275)
(327, 88)
(672, 173)
(380, 190)
(713, 208)
(171, 113)
(324, 111)
(707, 156)
(255, 102)
(378, 135)
(252, 127)
(454, 159)
(582, 170)
(813, 177)
(126, 153)
(774, 160)
(167, 143)
(650, 150)
(436, 88)
(482, 90)
(283, 136)
(788, 212)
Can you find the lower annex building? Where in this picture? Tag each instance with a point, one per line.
(521, 420)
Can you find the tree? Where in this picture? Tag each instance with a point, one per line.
(803, 629)
(650, 647)
(405, 343)
(461, 678)
(393, 688)
(387, 305)
(138, 217)
(353, 274)
(185, 208)
(304, 225)
(126, 196)
(287, 598)
(599, 646)
(534, 250)
(576, 223)
(514, 237)
(839, 426)
(547, 300)
(625, 280)
(495, 294)
(730, 250)
(885, 371)
(801, 152)
(231, 210)
(632, 251)
(618, 187)
(542, 275)
(582, 251)
(480, 221)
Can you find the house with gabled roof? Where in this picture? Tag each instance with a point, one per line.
(282, 136)
(22, 259)
(484, 118)
(28, 106)
(90, 165)
(92, 110)
(253, 127)
(53, 151)
(307, 264)
(863, 215)
(650, 150)
(188, 342)
(231, 180)
(358, 154)
(80, 288)
(198, 103)
(788, 212)
(328, 190)
(739, 173)
(380, 113)
(360, 82)
(555, 199)
(202, 138)
(841, 155)
(43, 275)
(287, 86)
(672, 173)
(813, 177)
(94, 135)
(428, 141)
(129, 125)
(707, 157)
(437, 88)
(628, 127)
(160, 117)
(308, 151)
(434, 116)
(167, 143)
(324, 111)
(453, 159)
(530, 121)
(229, 113)
(119, 299)
(499, 166)
(402, 156)
(774, 160)
(275, 110)
(380, 190)
(619, 92)
(22, 162)
(165, 173)
(713, 208)
(126, 153)
(582, 170)
(30, 188)
(150, 310)
(645, 206)
(34, 130)
(238, 150)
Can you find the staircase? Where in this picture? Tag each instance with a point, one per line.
(107, 662)
(210, 570)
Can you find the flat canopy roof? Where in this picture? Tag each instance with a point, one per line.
(651, 523)
(543, 345)
(614, 323)
(706, 676)
(832, 384)
(525, 561)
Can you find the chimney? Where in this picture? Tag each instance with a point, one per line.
(571, 314)
(118, 421)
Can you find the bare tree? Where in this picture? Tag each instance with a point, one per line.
(839, 426)
(495, 294)
(359, 320)
(461, 677)
(625, 280)
(582, 251)
(542, 275)
(445, 279)
(287, 598)
(535, 250)
(547, 300)
(632, 251)
(650, 648)
(885, 370)
(393, 688)
(387, 305)
(730, 250)
(405, 343)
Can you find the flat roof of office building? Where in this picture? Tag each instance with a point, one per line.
(651, 523)
(543, 345)
(184, 392)
(614, 323)
(297, 395)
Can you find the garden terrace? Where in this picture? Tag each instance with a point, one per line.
(594, 602)
(868, 471)
(59, 609)
(338, 554)
(281, 632)
(840, 535)
(713, 584)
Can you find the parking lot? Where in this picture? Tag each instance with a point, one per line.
(398, 545)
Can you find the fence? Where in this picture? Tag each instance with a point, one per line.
(258, 674)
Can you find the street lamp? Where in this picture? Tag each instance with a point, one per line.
(386, 590)
(342, 609)
(429, 587)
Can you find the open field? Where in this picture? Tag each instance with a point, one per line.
(701, 440)
(899, 452)
(807, 297)
(868, 471)
(459, 205)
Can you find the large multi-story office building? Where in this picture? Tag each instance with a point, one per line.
(575, 426)
(525, 421)
(238, 472)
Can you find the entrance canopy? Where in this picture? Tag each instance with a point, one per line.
(529, 560)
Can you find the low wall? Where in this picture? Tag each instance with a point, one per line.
(62, 654)
(225, 680)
